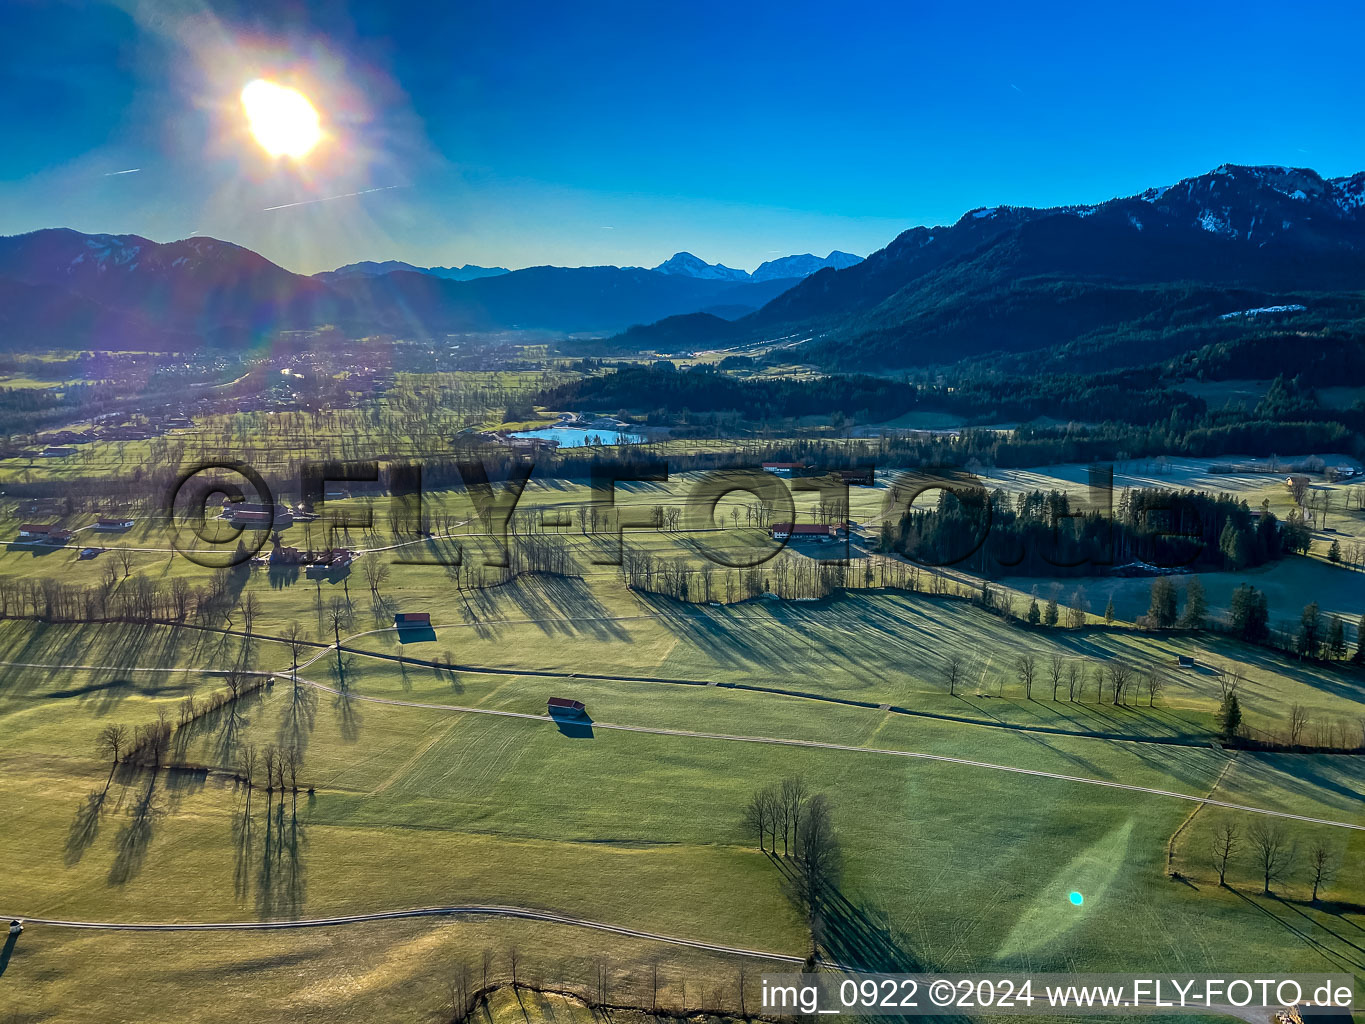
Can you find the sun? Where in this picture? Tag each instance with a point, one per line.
(281, 119)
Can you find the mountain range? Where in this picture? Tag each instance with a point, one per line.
(1130, 280)
(786, 268)
(1079, 283)
(468, 272)
(66, 289)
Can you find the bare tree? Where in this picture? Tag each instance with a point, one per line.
(1222, 845)
(293, 638)
(112, 741)
(1155, 683)
(460, 994)
(1120, 675)
(1056, 667)
(376, 573)
(234, 679)
(1073, 679)
(338, 615)
(952, 671)
(125, 557)
(513, 963)
(270, 758)
(818, 855)
(1273, 852)
(247, 763)
(757, 816)
(1321, 861)
(1229, 680)
(603, 982)
(793, 798)
(1298, 722)
(1026, 667)
(293, 760)
(251, 607)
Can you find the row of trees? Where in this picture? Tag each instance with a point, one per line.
(1271, 853)
(1058, 674)
(804, 822)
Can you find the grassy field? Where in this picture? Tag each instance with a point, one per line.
(428, 805)
(964, 818)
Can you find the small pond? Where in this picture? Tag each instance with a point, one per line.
(577, 437)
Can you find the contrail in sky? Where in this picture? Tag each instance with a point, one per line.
(130, 170)
(327, 199)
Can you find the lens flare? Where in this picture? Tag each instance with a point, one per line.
(281, 119)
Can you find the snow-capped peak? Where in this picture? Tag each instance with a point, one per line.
(687, 265)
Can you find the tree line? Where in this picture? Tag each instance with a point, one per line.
(1041, 533)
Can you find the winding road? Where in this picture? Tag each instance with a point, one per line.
(473, 910)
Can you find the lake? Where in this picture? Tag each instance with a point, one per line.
(577, 437)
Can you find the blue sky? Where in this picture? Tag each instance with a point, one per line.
(520, 134)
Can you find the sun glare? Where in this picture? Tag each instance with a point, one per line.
(281, 119)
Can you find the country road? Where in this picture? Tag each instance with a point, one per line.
(396, 915)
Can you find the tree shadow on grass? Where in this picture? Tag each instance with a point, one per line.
(281, 878)
(300, 717)
(7, 953)
(85, 826)
(347, 707)
(1345, 962)
(1357, 957)
(850, 935)
(243, 844)
(133, 839)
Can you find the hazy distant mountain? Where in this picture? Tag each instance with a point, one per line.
(570, 299)
(195, 285)
(1155, 266)
(468, 272)
(63, 288)
(804, 265)
(786, 268)
(684, 264)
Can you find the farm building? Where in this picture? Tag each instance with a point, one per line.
(330, 560)
(114, 523)
(258, 514)
(58, 451)
(782, 468)
(259, 520)
(803, 532)
(44, 532)
(412, 619)
(565, 706)
(863, 476)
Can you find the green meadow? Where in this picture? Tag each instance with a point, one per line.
(432, 777)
